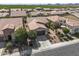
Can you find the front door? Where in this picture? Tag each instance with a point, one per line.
(9, 37)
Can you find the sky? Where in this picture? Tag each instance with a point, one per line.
(37, 1)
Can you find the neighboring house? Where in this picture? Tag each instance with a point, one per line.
(39, 19)
(38, 8)
(8, 26)
(73, 25)
(33, 13)
(4, 14)
(56, 18)
(8, 32)
(47, 9)
(58, 12)
(4, 10)
(17, 12)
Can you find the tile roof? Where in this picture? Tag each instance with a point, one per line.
(17, 22)
(54, 18)
(34, 25)
(72, 22)
(10, 26)
(40, 19)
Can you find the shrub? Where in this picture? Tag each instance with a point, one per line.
(9, 46)
(66, 30)
(32, 34)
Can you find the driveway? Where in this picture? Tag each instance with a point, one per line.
(1, 45)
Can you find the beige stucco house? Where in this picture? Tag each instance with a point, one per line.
(36, 26)
(8, 26)
(8, 32)
(73, 25)
(59, 19)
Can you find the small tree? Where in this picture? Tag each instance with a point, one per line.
(9, 46)
(32, 34)
(24, 21)
(50, 25)
(20, 35)
(66, 30)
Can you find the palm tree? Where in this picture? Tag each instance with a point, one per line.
(21, 35)
(24, 21)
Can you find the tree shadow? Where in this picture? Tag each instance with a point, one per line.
(36, 45)
(25, 51)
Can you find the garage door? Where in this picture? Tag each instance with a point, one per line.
(39, 33)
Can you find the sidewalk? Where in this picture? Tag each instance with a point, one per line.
(1, 50)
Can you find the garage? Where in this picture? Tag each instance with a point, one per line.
(39, 33)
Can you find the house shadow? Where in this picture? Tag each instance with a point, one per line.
(1, 42)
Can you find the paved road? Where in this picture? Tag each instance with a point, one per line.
(71, 50)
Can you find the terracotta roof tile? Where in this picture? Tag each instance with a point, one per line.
(34, 25)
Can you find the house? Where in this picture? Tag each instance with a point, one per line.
(17, 12)
(8, 26)
(33, 13)
(73, 25)
(4, 14)
(56, 18)
(39, 8)
(58, 12)
(4, 10)
(39, 19)
(47, 9)
(39, 28)
(15, 9)
(8, 32)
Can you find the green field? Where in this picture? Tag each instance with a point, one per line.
(34, 6)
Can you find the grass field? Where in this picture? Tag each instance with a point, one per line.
(34, 6)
